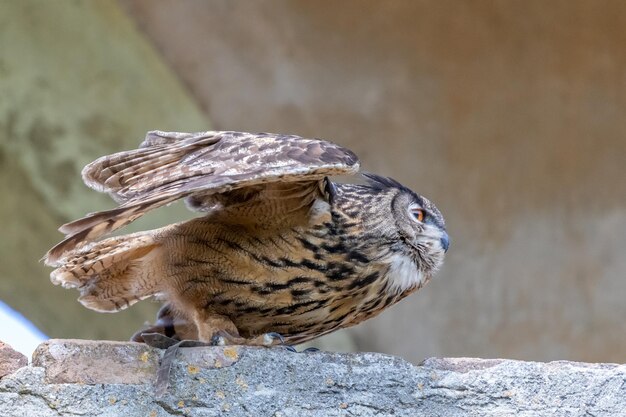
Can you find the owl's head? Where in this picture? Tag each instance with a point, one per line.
(419, 226)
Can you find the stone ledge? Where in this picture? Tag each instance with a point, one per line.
(10, 360)
(74, 377)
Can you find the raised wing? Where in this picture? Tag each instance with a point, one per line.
(198, 166)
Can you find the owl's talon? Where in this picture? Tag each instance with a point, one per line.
(310, 350)
(289, 348)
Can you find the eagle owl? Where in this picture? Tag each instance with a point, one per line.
(281, 249)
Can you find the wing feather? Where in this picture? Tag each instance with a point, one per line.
(172, 165)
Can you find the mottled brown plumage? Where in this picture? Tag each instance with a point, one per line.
(281, 248)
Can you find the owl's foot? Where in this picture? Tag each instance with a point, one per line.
(223, 338)
(271, 339)
(221, 331)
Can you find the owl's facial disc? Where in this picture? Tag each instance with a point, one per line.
(429, 225)
(423, 229)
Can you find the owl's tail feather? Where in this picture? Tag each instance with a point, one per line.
(111, 274)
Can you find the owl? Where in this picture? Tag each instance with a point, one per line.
(280, 248)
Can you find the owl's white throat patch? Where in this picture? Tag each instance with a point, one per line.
(403, 274)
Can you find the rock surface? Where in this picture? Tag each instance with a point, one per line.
(72, 377)
(10, 359)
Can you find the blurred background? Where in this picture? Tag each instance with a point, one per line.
(510, 115)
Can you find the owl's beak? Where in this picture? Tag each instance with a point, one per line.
(445, 241)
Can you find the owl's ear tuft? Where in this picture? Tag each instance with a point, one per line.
(381, 183)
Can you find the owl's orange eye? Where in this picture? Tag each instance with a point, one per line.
(418, 214)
